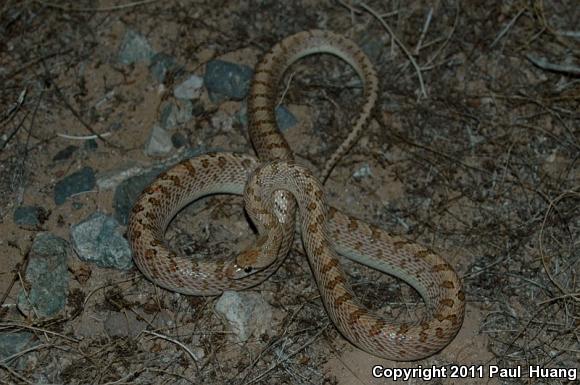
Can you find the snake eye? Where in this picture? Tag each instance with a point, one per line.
(248, 269)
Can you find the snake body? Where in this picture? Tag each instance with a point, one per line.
(272, 186)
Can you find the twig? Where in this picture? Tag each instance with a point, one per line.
(180, 344)
(574, 34)
(15, 325)
(276, 364)
(15, 374)
(286, 89)
(543, 63)
(18, 269)
(396, 40)
(541, 246)
(71, 109)
(103, 9)
(508, 26)
(424, 31)
(85, 137)
(23, 352)
(442, 46)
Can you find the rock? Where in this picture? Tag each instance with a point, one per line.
(47, 274)
(65, 153)
(175, 114)
(363, 172)
(222, 121)
(13, 343)
(189, 89)
(124, 325)
(134, 48)
(197, 108)
(98, 239)
(128, 190)
(284, 118)
(373, 47)
(227, 80)
(246, 313)
(179, 140)
(90, 145)
(162, 63)
(159, 142)
(30, 216)
(78, 182)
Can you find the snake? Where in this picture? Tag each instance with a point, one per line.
(275, 188)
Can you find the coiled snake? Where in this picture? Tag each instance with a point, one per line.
(273, 185)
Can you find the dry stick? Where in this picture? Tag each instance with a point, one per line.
(61, 96)
(543, 63)
(15, 107)
(508, 26)
(20, 168)
(14, 325)
(23, 352)
(399, 43)
(440, 49)
(274, 343)
(83, 137)
(15, 374)
(574, 34)
(439, 153)
(544, 263)
(281, 343)
(104, 9)
(162, 336)
(424, 32)
(106, 286)
(180, 376)
(275, 365)
(18, 270)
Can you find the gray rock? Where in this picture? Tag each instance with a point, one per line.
(90, 145)
(189, 89)
(159, 142)
(197, 107)
(134, 48)
(161, 64)
(373, 47)
(78, 182)
(127, 191)
(227, 80)
(47, 274)
(124, 325)
(30, 216)
(65, 153)
(363, 172)
(13, 343)
(246, 313)
(175, 114)
(98, 239)
(179, 140)
(284, 118)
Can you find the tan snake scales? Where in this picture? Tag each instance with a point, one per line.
(270, 191)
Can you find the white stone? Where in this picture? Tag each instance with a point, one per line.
(159, 142)
(189, 89)
(246, 313)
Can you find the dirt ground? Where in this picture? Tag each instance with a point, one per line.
(473, 150)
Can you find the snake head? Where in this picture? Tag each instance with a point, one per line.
(235, 271)
(254, 259)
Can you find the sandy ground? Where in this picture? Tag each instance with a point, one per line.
(483, 168)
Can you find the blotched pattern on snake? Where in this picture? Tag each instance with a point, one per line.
(271, 190)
